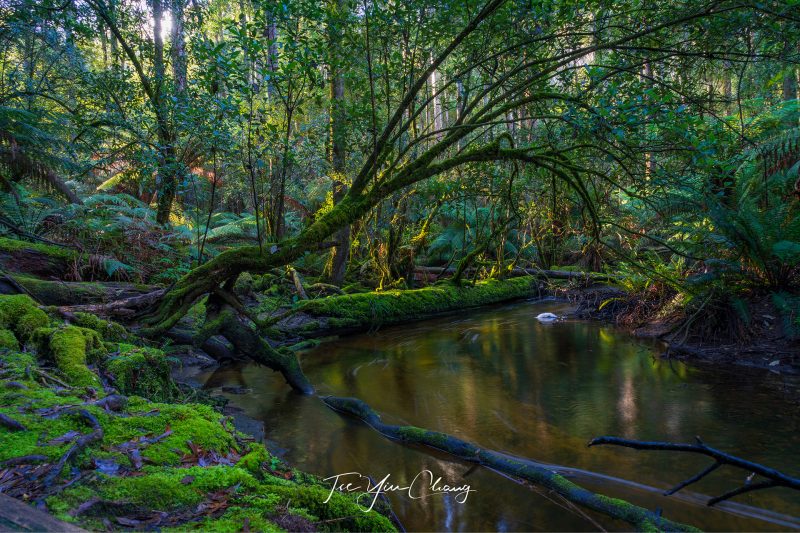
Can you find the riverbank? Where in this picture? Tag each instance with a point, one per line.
(96, 433)
(769, 341)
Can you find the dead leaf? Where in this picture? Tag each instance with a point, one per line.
(108, 467)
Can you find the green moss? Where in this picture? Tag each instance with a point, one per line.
(310, 326)
(39, 430)
(110, 331)
(198, 424)
(166, 435)
(70, 347)
(165, 489)
(16, 363)
(14, 245)
(415, 434)
(141, 371)
(256, 461)
(311, 499)
(20, 313)
(367, 309)
(8, 340)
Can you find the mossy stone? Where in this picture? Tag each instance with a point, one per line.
(142, 371)
(110, 331)
(19, 313)
(8, 340)
(70, 348)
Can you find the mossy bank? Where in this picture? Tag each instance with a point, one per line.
(110, 458)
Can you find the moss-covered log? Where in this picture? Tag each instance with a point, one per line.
(72, 293)
(36, 258)
(638, 517)
(353, 312)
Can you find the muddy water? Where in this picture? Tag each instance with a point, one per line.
(501, 379)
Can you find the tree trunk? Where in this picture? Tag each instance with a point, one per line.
(337, 152)
(166, 178)
(178, 48)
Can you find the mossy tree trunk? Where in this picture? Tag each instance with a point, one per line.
(641, 519)
(223, 319)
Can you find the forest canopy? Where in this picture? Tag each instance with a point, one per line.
(186, 144)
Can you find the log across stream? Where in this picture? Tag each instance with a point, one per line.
(498, 378)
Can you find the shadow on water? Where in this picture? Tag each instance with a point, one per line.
(499, 378)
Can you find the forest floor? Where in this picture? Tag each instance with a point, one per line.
(95, 432)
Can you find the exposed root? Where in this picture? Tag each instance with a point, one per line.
(11, 424)
(80, 444)
(222, 319)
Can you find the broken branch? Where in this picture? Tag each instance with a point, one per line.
(775, 477)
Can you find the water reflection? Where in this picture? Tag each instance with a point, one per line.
(507, 382)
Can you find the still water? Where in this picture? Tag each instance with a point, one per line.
(499, 378)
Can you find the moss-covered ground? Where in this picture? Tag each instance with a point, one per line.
(112, 458)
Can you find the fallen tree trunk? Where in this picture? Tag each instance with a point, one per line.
(360, 311)
(72, 293)
(594, 277)
(37, 259)
(17, 516)
(640, 518)
(213, 346)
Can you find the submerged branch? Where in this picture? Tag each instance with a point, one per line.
(639, 517)
(774, 477)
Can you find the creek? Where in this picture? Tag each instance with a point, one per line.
(499, 378)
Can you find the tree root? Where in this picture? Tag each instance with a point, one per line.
(11, 424)
(640, 518)
(80, 444)
(222, 319)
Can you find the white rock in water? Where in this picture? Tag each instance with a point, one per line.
(546, 317)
